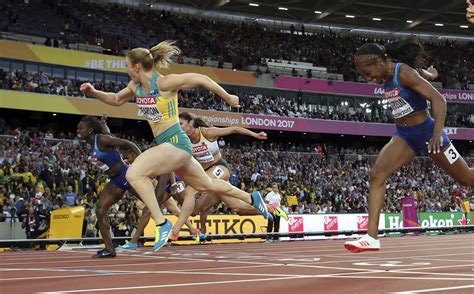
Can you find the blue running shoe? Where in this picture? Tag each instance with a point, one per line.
(203, 237)
(162, 234)
(259, 204)
(128, 246)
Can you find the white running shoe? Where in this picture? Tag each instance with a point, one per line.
(365, 243)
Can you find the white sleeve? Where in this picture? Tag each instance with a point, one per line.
(268, 197)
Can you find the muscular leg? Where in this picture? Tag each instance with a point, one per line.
(203, 205)
(108, 197)
(193, 174)
(242, 208)
(394, 155)
(458, 170)
(155, 161)
(191, 205)
(142, 223)
(171, 205)
(187, 207)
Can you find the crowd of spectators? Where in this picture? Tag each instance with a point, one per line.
(118, 28)
(202, 99)
(39, 174)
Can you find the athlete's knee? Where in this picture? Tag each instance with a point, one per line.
(134, 175)
(237, 211)
(377, 175)
(101, 211)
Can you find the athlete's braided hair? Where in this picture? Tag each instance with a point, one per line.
(95, 124)
(409, 51)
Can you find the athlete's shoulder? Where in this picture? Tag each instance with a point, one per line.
(407, 74)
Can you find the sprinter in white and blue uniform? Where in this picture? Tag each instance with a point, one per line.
(398, 65)
(106, 157)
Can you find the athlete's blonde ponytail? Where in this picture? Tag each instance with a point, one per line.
(163, 52)
(157, 57)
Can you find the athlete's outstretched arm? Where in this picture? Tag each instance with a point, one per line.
(117, 142)
(175, 82)
(213, 133)
(115, 99)
(411, 79)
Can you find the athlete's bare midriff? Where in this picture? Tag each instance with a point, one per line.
(209, 164)
(160, 128)
(413, 119)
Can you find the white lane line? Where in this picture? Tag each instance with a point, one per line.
(68, 261)
(110, 265)
(174, 285)
(107, 272)
(249, 280)
(436, 289)
(431, 267)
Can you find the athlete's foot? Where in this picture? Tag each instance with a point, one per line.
(128, 246)
(366, 243)
(174, 236)
(197, 236)
(162, 233)
(280, 212)
(258, 203)
(104, 253)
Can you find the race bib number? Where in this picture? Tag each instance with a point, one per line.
(100, 165)
(177, 187)
(147, 108)
(202, 153)
(218, 172)
(400, 107)
(451, 154)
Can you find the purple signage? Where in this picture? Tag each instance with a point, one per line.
(335, 126)
(410, 215)
(357, 89)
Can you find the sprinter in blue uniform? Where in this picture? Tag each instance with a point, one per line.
(399, 65)
(107, 158)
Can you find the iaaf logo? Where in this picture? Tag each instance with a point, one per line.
(146, 100)
(295, 224)
(200, 148)
(330, 223)
(379, 91)
(362, 222)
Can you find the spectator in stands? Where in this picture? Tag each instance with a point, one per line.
(70, 198)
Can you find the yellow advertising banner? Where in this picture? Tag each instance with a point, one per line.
(85, 106)
(223, 224)
(80, 59)
(66, 223)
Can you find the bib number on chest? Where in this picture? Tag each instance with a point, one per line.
(147, 108)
